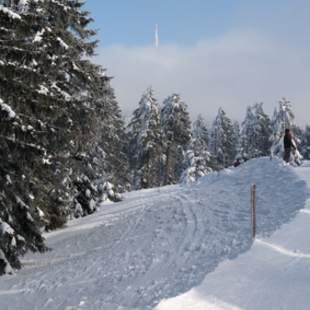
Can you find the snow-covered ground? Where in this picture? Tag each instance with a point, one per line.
(161, 243)
(274, 274)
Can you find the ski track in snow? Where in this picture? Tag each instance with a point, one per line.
(305, 211)
(282, 250)
(157, 243)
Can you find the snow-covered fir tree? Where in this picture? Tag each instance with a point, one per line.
(237, 139)
(222, 140)
(247, 134)
(114, 138)
(198, 158)
(176, 137)
(144, 143)
(52, 98)
(22, 154)
(200, 132)
(104, 173)
(255, 132)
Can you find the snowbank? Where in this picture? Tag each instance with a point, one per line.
(4, 107)
(160, 243)
(274, 274)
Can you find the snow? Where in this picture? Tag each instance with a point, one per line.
(13, 242)
(108, 186)
(39, 36)
(40, 213)
(62, 43)
(29, 217)
(63, 93)
(8, 179)
(5, 228)
(8, 269)
(23, 2)
(75, 67)
(43, 90)
(274, 274)
(9, 12)
(192, 242)
(88, 193)
(4, 107)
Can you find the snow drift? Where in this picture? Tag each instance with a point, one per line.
(157, 243)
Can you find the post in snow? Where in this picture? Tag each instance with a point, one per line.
(253, 210)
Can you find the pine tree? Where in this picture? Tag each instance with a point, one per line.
(115, 141)
(198, 158)
(176, 135)
(53, 104)
(222, 142)
(144, 146)
(237, 139)
(104, 171)
(200, 131)
(255, 132)
(56, 89)
(21, 153)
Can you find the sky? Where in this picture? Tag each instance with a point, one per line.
(223, 53)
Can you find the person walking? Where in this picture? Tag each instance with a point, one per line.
(289, 145)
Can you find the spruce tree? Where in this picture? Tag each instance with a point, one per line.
(176, 135)
(54, 103)
(144, 143)
(23, 154)
(222, 142)
(200, 132)
(255, 132)
(104, 170)
(237, 139)
(198, 158)
(115, 141)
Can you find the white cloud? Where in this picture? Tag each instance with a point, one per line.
(232, 71)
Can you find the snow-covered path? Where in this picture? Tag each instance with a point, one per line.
(274, 274)
(156, 244)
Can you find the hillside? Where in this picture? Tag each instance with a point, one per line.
(274, 274)
(163, 242)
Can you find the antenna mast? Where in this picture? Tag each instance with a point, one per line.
(156, 36)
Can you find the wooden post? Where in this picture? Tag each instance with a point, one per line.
(253, 210)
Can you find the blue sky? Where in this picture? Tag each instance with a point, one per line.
(132, 22)
(228, 53)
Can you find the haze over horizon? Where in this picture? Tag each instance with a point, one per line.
(229, 53)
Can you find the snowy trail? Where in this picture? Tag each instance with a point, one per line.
(274, 274)
(282, 250)
(156, 244)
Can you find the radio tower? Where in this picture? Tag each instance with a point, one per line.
(156, 36)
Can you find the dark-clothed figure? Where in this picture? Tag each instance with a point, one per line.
(288, 145)
(237, 162)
